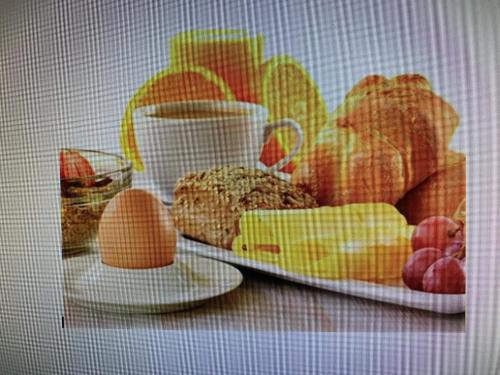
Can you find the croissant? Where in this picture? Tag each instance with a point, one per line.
(438, 195)
(384, 139)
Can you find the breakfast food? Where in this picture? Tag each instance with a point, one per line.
(430, 271)
(386, 145)
(229, 65)
(136, 231)
(79, 224)
(72, 165)
(336, 257)
(357, 241)
(438, 262)
(437, 231)
(439, 194)
(208, 204)
(401, 132)
(445, 276)
(280, 227)
(347, 167)
(170, 85)
(419, 262)
(84, 195)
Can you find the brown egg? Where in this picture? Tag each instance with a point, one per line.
(136, 231)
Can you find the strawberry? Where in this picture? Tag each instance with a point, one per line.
(75, 166)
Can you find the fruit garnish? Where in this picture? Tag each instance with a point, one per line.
(438, 232)
(72, 165)
(438, 262)
(170, 85)
(233, 55)
(288, 91)
(432, 271)
(417, 264)
(446, 275)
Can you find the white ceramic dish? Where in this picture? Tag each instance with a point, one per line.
(190, 281)
(440, 303)
(231, 133)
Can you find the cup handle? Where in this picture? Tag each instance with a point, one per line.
(285, 123)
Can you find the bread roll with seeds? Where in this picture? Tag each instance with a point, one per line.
(208, 204)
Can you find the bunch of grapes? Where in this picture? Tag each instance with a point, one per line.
(437, 264)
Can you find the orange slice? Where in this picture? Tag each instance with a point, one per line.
(233, 55)
(288, 91)
(170, 85)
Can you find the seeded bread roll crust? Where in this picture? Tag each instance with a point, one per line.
(208, 204)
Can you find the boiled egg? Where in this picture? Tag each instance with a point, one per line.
(136, 231)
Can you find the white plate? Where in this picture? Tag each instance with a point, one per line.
(441, 303)
(190, 281)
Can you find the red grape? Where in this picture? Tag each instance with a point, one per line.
(436, 231)
(417, 264)
(453, 248)
(446, 275)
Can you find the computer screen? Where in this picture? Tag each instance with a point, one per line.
(249, 187)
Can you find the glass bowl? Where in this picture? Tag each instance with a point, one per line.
(82, 205)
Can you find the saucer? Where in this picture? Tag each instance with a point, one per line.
(188, 282)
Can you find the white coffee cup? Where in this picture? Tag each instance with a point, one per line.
(181, 137)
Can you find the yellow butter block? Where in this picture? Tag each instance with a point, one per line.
(352, 259)
(289, 257)
(280, 227)
(357, 241)
(359, 260)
